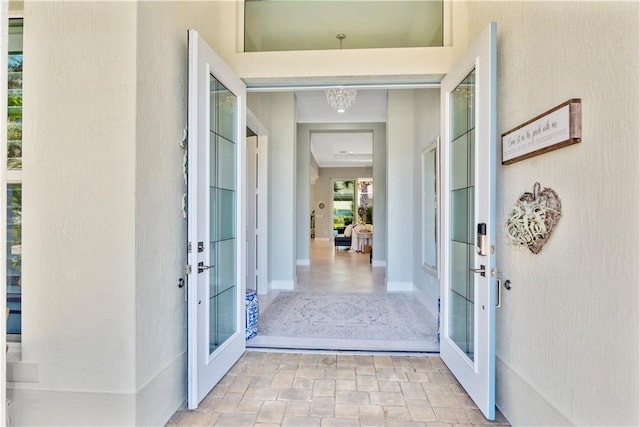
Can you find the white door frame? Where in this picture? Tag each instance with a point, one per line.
(262, 267)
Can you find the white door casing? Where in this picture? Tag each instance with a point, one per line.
(212, 87)
(468, 330)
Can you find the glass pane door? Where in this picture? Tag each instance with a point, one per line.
(468, 285)
(462, 148)
(215, 225)
(222, 202)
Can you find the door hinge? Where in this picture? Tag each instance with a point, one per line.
(189, 247)
(188, 269)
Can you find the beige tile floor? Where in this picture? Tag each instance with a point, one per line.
(304, 389)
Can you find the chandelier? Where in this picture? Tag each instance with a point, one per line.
(341, 99)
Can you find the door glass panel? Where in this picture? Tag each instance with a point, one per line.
(222, 215)
(462, 147)
(226, 164)
(226, 117)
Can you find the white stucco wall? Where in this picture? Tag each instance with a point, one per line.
(567, 334)
(104, 333)
(160, 226)
(427, 129)
(79, 309)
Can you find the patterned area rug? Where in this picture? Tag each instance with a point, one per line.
(351, 316)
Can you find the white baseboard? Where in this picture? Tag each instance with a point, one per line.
(287, 285)
(431, 306)
(520, 403)
(153, 404)
(378, 263)
(161, 397)
(303, 262)
(400, 286)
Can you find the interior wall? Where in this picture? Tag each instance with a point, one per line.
(303, 180)
(427, 129)
(282, 184)
(568, 331)
(400, 178)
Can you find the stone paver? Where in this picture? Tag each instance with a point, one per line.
(268, 389)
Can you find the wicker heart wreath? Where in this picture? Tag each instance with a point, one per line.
(533, 218)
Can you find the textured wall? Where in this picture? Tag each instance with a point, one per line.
(79, 205)
(568, 331)
(79, 195)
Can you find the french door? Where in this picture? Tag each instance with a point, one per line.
(216, 289)
(468, 289)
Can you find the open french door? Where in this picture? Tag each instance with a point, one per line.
(468, 289)
(216, 289)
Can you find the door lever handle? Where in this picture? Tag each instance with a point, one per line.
(202, 267)
(482, 270)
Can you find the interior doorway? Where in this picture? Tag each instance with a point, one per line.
(330, 285)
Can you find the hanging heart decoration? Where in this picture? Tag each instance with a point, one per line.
(533, 218)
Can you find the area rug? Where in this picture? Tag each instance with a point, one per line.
(348, 320)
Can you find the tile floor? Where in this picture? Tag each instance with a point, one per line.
(323, 389)
(305, 389)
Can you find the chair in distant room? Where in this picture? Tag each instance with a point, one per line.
(343, 239)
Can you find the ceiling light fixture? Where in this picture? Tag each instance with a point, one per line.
(340, 99)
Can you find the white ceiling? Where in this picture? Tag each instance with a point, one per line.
(342, 149)
(339, 148)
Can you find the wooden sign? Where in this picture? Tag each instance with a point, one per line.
(557, 128)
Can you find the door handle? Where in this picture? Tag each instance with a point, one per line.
(202, 267)
(482, 270)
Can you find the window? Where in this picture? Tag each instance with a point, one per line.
(14, 179)
(283, 25)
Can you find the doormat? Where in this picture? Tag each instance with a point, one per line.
(351, 316)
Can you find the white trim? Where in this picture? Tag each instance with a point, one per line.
(24, 372)
(400, 286)
(286, 285)
(302, 88)
(303, 262)
(378, 263)
(512, 390)
(262, 267)
(421, 296)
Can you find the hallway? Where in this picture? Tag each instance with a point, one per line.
(293, 389)
(341, 303)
